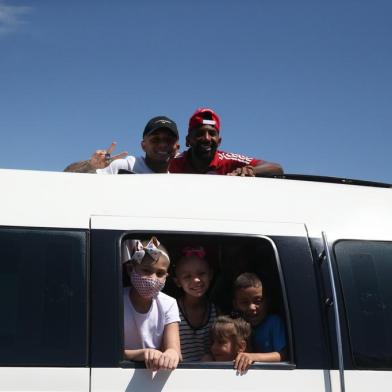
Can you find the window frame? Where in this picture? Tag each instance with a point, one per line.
(289, 364)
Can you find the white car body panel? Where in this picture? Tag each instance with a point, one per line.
(193, 204)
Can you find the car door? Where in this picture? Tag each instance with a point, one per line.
(306, 368)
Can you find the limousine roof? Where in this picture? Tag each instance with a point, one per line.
(197, 202)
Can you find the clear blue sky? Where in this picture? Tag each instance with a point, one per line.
(306, 83)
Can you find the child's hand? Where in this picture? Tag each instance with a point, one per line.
(169, 359)
(242, 362)
(151, 358)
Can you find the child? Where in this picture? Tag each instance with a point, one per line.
(193, 275)
(228, 338)
(268, 338)
(150, 317)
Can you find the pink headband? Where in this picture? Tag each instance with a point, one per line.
(189, 251)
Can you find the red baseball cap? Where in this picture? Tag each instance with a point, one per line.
(204, 116)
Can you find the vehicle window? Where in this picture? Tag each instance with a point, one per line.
(365, 270)
(228, 257)
(43, 297)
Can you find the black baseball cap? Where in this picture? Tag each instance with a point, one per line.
(161, 122)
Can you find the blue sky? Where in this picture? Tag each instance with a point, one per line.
(306, 83)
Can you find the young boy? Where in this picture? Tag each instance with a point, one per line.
(268, 339)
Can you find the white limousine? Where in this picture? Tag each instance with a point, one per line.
(324, 244)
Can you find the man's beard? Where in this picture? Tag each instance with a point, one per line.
(204, 154)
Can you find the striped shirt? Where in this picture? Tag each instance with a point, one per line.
(195, 342)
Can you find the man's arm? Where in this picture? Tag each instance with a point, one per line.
(262, 169)
(81, 167)
(99, 160)
(267, 169)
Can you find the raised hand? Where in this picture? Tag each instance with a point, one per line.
(103, 158)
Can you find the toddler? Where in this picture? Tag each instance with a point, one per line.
(151, 317)
(228, 338)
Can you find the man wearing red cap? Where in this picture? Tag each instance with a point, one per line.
(203, 156)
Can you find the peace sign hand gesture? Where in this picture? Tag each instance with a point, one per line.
(102, 158)
(99, 160)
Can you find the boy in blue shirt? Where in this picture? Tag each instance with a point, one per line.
(268, 339)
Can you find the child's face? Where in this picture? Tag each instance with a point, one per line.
(151, 269)
(251, 304)
(194, 276)
(224, 349)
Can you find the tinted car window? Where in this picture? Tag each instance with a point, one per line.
(43, 297)
(365, 269)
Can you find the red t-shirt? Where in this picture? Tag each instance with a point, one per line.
(222, 163)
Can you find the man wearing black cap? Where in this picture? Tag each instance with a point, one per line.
(160, 144)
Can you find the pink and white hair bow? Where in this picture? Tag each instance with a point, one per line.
(139, 250)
